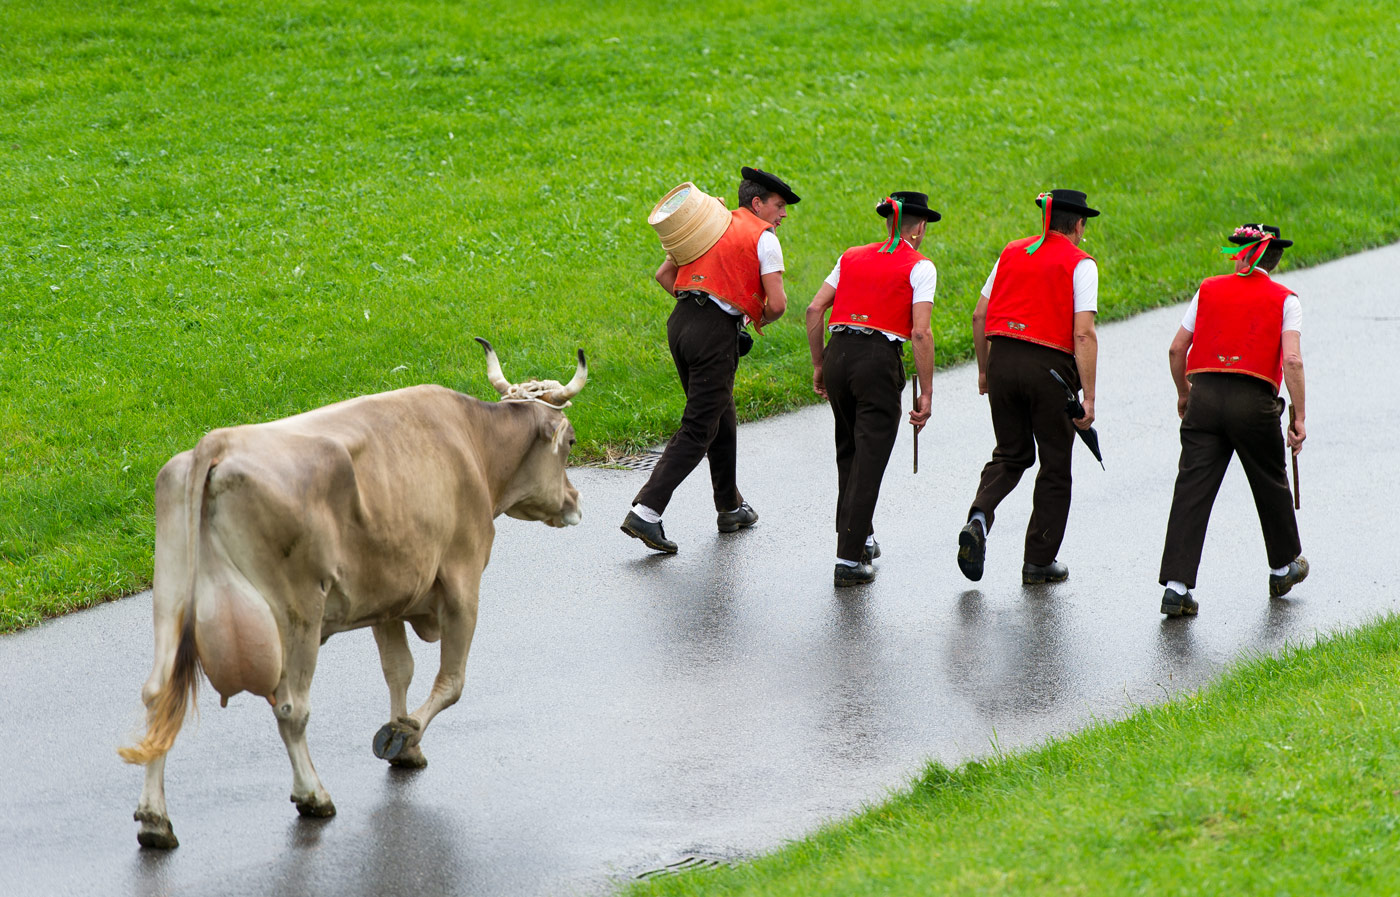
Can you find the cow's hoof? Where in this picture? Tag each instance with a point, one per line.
(155, 832)
(392, 738)
(410, 758)
(315, 806)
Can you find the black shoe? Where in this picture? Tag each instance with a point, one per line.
(972, 550)
(733, 521)
(1035, 574)
(1174, 605)
(871, 552)
(853, 576)
(1297, 572)
(651, 534)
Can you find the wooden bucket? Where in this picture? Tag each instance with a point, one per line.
(689, 222)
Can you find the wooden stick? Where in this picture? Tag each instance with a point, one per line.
(1297, 497)
(916, 426)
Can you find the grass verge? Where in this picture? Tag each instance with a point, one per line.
(1281, 778)
(227, 211)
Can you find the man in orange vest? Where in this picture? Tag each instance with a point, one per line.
(738, 281)
(1237, 344)
(1036, 315)
(880, 296)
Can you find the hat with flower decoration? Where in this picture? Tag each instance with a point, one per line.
(897, 206)
(1060, 201)
(1249, 241)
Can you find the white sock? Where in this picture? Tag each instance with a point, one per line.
(646, 513)
(1279, 571)
(737, 510)
(1178, 587)
(845, 563)
(870, 540)
(980, 518)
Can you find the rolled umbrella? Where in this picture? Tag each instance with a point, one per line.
(1075, 410)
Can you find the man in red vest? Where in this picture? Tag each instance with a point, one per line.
(880, 296)
(1036, 315)
(738, 281)
(1237, 344)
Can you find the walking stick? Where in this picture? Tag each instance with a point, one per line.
(1297, 497)
(915, 381)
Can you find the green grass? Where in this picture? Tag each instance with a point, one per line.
(1280, 779)
(226, 212)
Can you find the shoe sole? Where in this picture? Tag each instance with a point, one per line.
(1278, 591)
(967, 546)
(735, 527)
(846, 583)
(1035, 579)
(648, 542)
(1178, 610)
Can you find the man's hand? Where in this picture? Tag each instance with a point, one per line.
(1087, 420)
(1181, 401)
(919, 414)
(817, 385)
(1296, 434)
(981, 383)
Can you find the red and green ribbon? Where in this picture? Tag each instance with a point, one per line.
(893, 242)
(1249, 252)
(1045, 231)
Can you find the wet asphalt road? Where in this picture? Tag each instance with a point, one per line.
(626, 710)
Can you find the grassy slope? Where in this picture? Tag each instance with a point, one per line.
(1280, 779)
(224, 212)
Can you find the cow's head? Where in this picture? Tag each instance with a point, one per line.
(540, 489)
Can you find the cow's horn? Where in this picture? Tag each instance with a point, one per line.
(572, 388)
(493, 369)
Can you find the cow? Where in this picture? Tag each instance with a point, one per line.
(371, 512)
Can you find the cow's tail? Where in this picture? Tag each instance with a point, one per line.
(166, 713)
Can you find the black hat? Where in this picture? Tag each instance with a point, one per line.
(1252, 233)
(1068, 201)
(910, 203)
(772, 182)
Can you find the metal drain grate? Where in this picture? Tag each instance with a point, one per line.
(688, 864)
(645, 461)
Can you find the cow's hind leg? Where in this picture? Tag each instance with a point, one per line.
(293, 710)
(156, 831)
(391, 742)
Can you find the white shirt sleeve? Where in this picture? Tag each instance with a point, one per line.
(1293, 313)
(833, 279)
(923, 277)
(987, 287)
(770, 253)
(1086, 286)
(1188, 323)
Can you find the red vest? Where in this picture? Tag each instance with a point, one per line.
(1239, 327)
(729, 271)
(874, 289)
(1033, 295)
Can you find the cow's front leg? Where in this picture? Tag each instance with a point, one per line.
(391, 742)
(458, 619)
(292, 707)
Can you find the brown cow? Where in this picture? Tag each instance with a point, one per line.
(270, 538)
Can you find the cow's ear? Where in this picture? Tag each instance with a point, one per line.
(560, 429)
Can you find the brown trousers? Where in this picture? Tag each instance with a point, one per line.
(704, 342)
(1229, 414)
(864, 379)
(1028, 415)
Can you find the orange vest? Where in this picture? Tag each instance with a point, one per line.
(1033, 295)
(874, 289)
(1239, 327)
(729, 271)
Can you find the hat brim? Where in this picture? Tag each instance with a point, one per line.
(1245, 241)
(1063, 206)
(884, 209)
